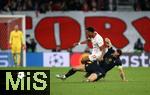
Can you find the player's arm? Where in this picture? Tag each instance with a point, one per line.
(10, 39)
(83, 42)
(22, 40)
(103, 49)
(122, 73)
(108, 43)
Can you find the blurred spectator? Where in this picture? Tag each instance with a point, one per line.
(1, 2)
(100, 5)
(57, 49)
(70, 5)
(85, 7)
(33, 45)
(138, 46)
(30, 44)
(143, 5)
(56, 6)
(106, 5)
(137, 6)
(73, 5)
(49, 8)
(94, 5)
(112, 5)
(147, 5)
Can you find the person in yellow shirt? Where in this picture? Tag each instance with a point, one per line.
(16, 42)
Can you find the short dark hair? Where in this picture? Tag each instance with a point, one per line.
(119, 51)
(90, 29)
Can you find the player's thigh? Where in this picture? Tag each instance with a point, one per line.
(18, 49)
(92, 57)
(13, 49)
(95, 56)
(80, 67)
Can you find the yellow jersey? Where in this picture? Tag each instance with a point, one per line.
(16, 38)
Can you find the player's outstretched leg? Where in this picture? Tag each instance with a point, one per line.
(14, 59)
(59, 76)
(92, 77)
(95, 77)
(71, 72)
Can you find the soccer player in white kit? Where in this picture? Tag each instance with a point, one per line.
(97, 43)
(98, 52)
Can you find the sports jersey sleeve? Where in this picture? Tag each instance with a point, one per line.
(22, 38)
(109, 52)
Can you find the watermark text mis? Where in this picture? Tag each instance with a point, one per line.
(25, 82)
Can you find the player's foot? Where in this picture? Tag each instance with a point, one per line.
(60, 76)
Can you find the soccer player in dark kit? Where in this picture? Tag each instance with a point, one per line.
(111, 59)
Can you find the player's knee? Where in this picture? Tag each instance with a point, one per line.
(74, 69)
(92, 77)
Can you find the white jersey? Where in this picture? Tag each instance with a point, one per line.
(97, 42)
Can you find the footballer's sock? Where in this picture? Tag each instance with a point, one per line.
(70, 73)
(18, 59)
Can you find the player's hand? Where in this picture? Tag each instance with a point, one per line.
(23, 47)
(75, 44)
(108, 42)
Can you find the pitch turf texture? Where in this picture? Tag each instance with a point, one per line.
(138, 83)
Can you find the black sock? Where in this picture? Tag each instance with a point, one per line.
(70, 72)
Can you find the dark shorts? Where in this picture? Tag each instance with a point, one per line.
(90, 68)
(99, 75)
(95, 68)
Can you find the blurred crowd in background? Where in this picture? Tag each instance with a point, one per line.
(74, 5)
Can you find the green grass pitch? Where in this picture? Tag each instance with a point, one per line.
(138, 83)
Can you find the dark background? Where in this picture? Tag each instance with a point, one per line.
(3, 90)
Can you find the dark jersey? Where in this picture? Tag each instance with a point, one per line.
(109, 61)
(107, 64)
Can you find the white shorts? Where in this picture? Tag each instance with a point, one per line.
(95, 56)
